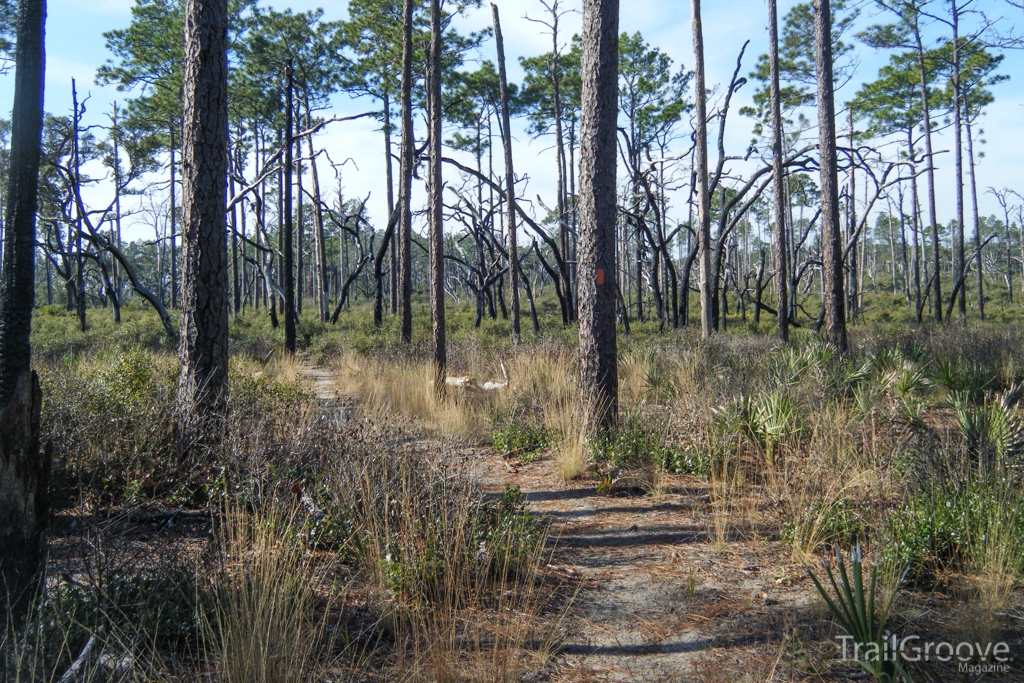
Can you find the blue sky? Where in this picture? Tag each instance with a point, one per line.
(75, 47)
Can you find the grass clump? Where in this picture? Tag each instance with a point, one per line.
(264, 623)
(457, 573)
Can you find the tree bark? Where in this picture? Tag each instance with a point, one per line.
(597, 207)
(958, 163)
(319, 242)
(779, 199)
(436, 202)
(115, 295)
(389, 172)
(563, 225)
(203, 382)
(831, 240)
(915, 224)
(236, 292)
(707, 299)
(24, 475)
(24, 472)
(405, 195)
(977, 219)
(174, 223)
(80, 300)
(510, 183)
(288, 247)
(929, 168)
(378, 269)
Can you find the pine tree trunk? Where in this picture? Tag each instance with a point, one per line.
(405, 195)
(977, 219)
(174, 223)
(436, 187)
(288, 247)
(597, 205)
(390, 174)
(779, 200)
(115, 295)
(851, 228)
(510, 183)
(563, 223)
(958, 166)
(831, 240)
(236, 292)
(929, 170)
(80, 300)
(24, 471)
(707, 285)
(319, 243)
(203, 383)
(300, 265)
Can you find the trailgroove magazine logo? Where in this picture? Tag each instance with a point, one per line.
(970, 657)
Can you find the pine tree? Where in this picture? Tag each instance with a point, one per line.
(203, 349)
(597, 272)
(831, 240)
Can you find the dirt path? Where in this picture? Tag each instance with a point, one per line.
(658, 601)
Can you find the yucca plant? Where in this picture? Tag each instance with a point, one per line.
(856, 613)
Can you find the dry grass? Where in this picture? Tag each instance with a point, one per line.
(406, 389)
(457, 577)
(266, 625)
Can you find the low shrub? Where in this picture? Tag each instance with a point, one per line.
(942, 529)
(524, 441)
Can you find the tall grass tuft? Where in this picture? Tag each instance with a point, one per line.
(264, 625)
(457, 575)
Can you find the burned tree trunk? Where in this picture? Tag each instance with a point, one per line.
(405, 194)
(24, 472)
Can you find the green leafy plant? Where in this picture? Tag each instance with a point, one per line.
(633, 446)
(776, 417)
(945, 529)
(522, 440)
(858, 614)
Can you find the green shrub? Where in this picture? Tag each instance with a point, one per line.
(970, 379)
(943, 529)
(521, 440)
(632, 446)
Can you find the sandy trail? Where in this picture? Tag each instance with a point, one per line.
(657, 600)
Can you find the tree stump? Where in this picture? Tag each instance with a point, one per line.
(24, 476)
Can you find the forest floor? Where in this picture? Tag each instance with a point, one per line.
(659, 595)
